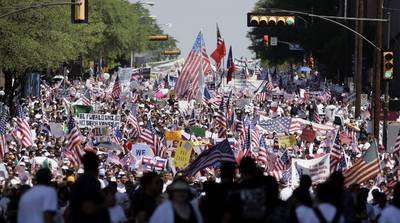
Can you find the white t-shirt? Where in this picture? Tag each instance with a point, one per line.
(117, 214)
(307, 215)
(390, 214)
(35, 202)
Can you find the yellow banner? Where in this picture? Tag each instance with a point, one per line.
(173, 135)
(182, 154)
(286, 141)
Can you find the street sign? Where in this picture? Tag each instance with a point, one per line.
(295, 47)
(274, 41)
(364, 99)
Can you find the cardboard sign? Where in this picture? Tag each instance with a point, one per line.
(140, 150)
(308, 134)
(173, 135)
(56, 129)
(98, 120)
(182, 154)
(101, 134)
(286, 141)
(318, 169)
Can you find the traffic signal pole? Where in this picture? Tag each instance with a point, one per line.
(37, 6)
(378, 72)
(359, 56)
(386, 107)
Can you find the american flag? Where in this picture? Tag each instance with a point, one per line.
(255, 136)
(74, 139)
(221, 120)
(221, 152)
(192, 120)
(317, 117)
(133, 121)
(135, 74)
(261, 96)
(113, 158)
(277, 125)
(147, 163)
(116, 91)
(240, 129)
(86, 99)
(230, 65)
(23, 127)
(117, 136)
(3, 140)
(269, 86)
(150, 137)
(336, 152)
(365, 168)
(134, 97)
(196, 60)
(396, 148)
(160, 163)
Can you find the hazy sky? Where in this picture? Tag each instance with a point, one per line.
(188, 17)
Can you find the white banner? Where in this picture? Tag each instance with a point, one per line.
(98, 120)
(318, 169)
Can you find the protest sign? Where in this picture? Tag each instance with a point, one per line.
(78, 109)
(182, 154)
(139, 150)
(101, 134)
(318, 169)
(286, 141)
(97, 120)
(56, 129)
(198, 131)
(173, 135)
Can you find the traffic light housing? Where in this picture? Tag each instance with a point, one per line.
(79, 11)
(388, 65)
(266, 40)
(257, 20)
(311, 62)
(158, 38)
(171, 52)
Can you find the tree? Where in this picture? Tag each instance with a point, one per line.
(45, 38)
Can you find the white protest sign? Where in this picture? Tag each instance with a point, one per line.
(97, 120)
(318, 169)
(139, 150)
(56, 129)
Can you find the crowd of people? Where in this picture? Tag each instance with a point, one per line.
(48, 176)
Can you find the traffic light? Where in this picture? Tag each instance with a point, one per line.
(311, 62)
(171, 52)
(266, 40)
(79, 11)
(256, 20)
(388, 65)
(158, 38)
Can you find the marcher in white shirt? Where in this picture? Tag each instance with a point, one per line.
(325, 209)
(391, 213)
(39, 204)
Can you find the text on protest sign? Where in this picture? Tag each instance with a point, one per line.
(182, 154)
(96, 120)
(318, 169)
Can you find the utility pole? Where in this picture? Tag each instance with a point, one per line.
(359, 56)
(378, 71)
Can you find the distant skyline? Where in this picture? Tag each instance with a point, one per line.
(188, 17)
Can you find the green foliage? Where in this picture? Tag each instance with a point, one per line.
(329, 43)
(43, 38)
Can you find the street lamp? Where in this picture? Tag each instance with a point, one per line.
(141, 2)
